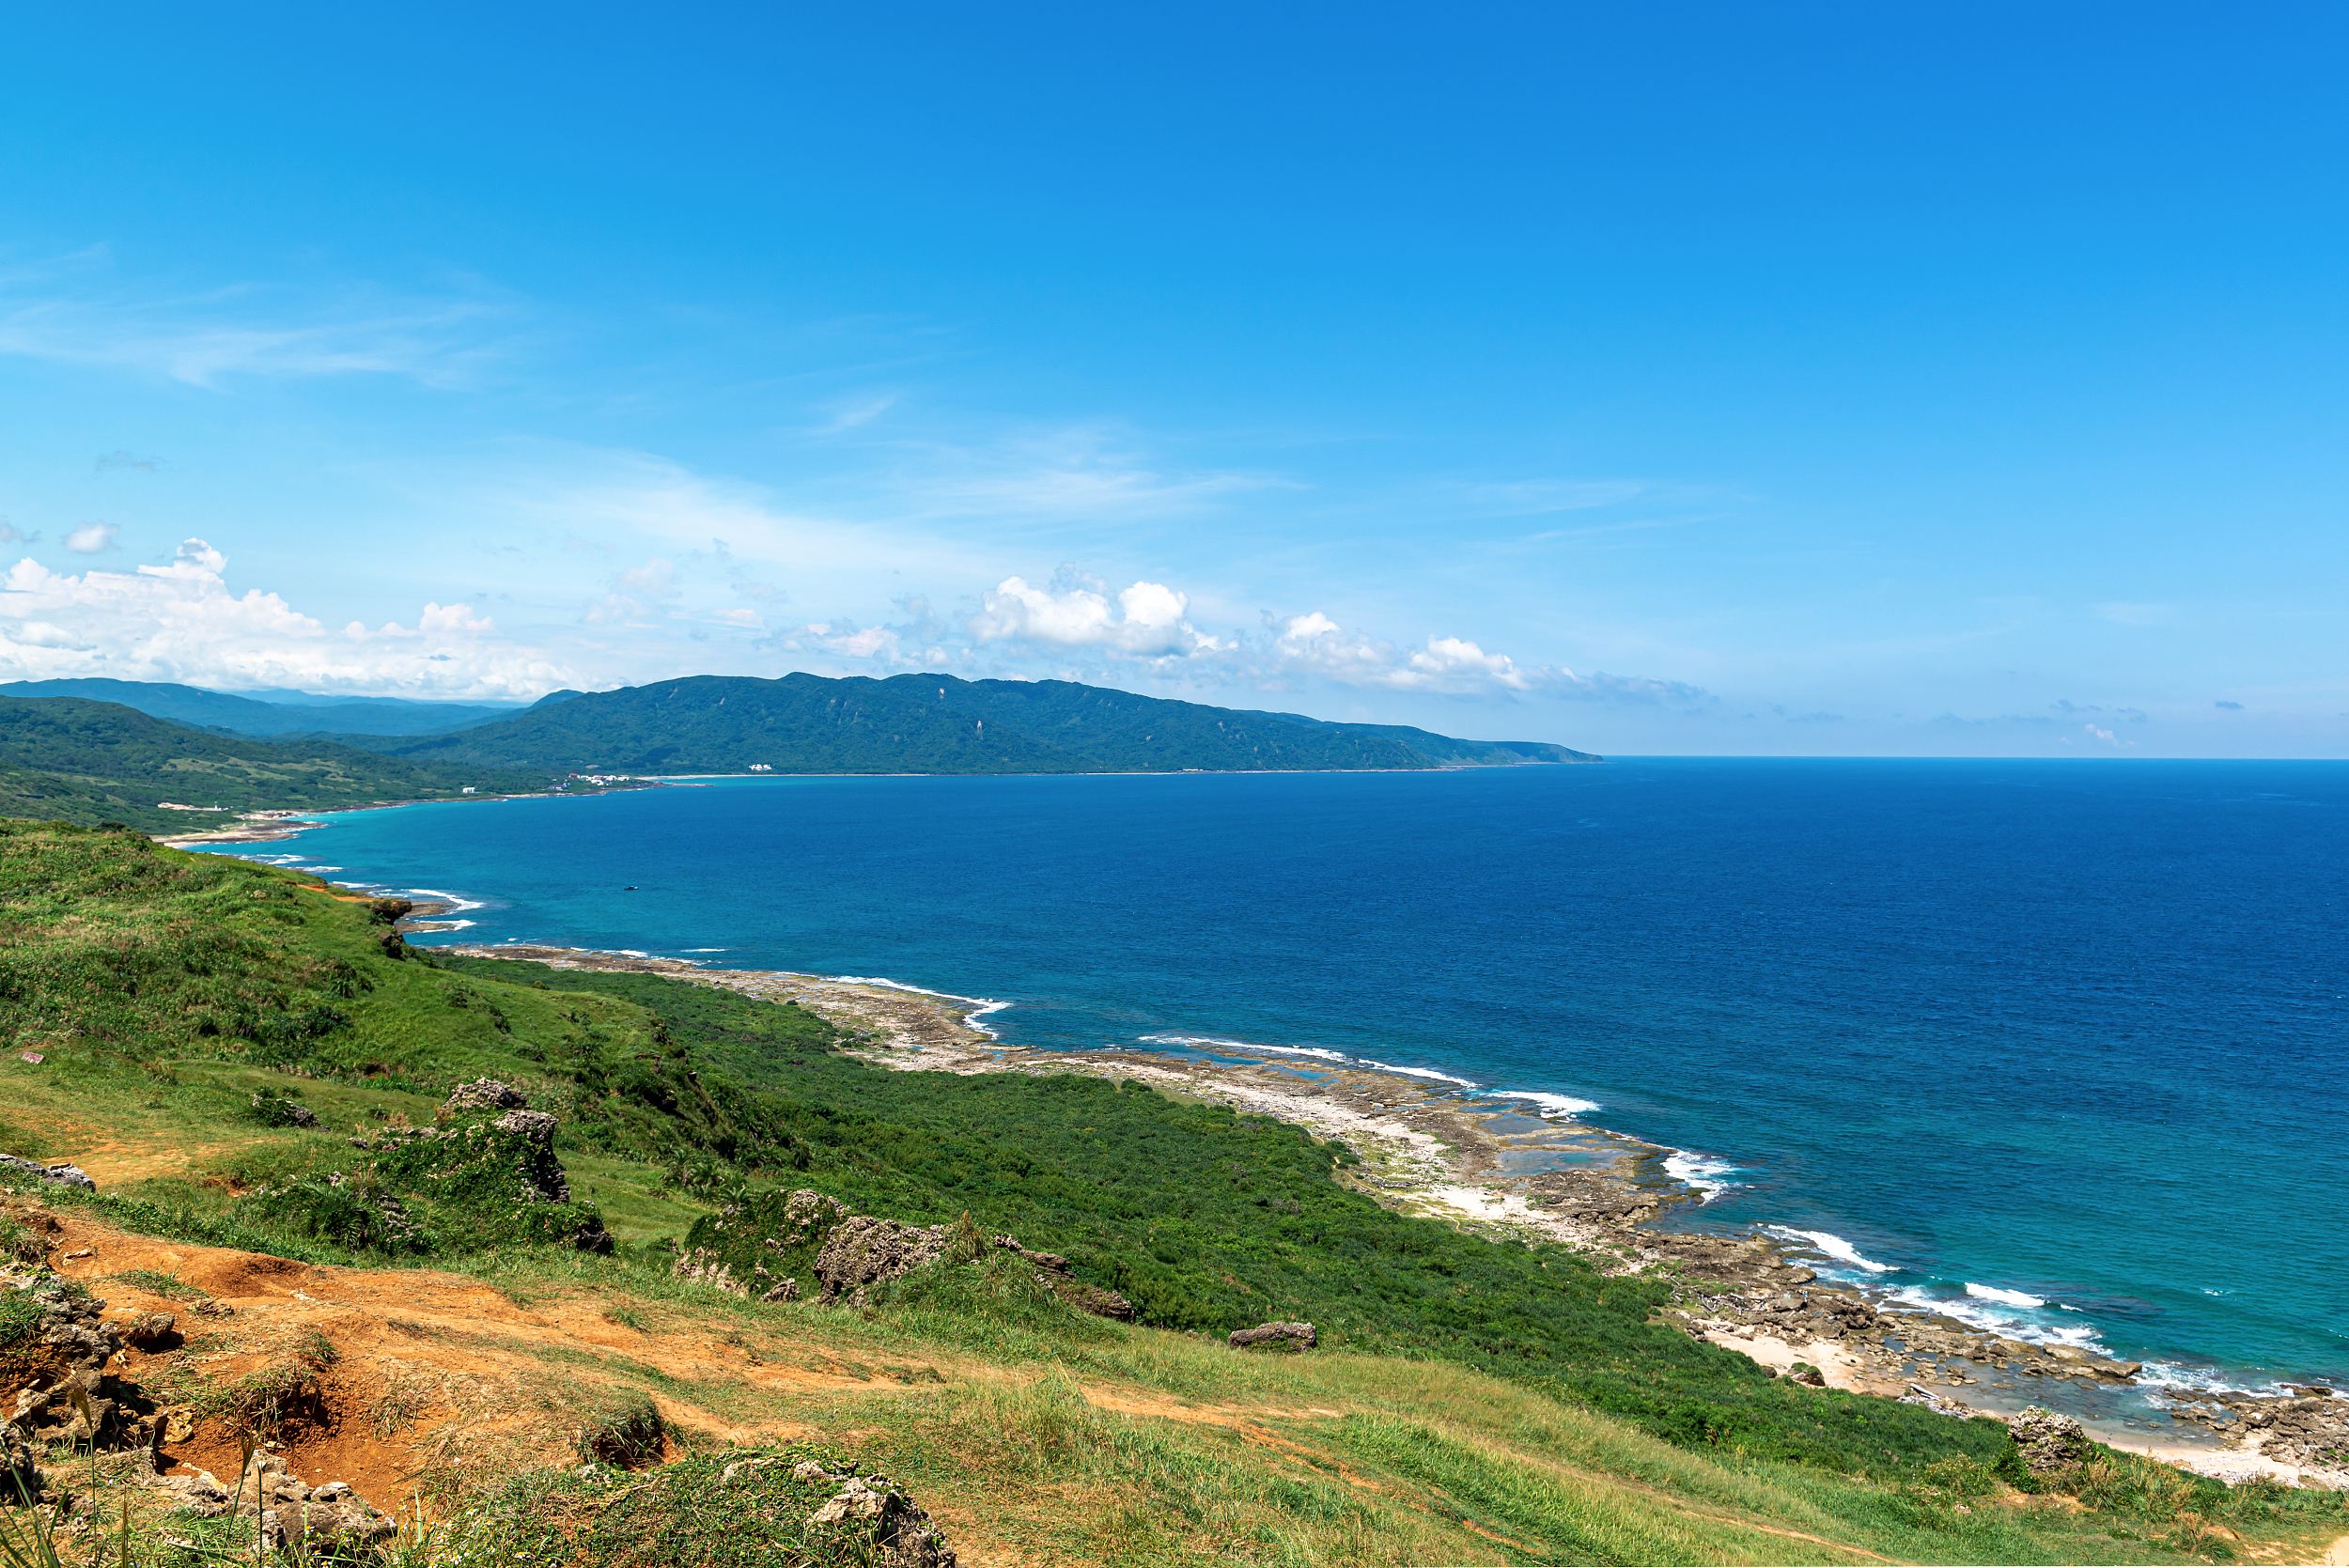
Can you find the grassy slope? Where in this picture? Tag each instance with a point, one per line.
(1478, 1400)
(92, 762)
(805, 723)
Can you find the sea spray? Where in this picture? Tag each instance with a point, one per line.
(1831, 1245)
(1708, 1174)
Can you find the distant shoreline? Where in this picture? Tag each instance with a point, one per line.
(1431, 1152)
(274, 824)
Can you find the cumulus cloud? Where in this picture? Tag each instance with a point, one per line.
(848, 640)
(1146, 620)
(91, 538)
(180, 621)
(1313, 642)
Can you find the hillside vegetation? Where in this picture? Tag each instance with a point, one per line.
(277, 714)
(212, 1034)
(803, 723)
(91, 762)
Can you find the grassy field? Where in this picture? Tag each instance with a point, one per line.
(1474, 1401)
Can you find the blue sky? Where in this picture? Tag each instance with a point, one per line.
(1963, 379)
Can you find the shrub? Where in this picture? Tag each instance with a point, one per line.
(625, 1431)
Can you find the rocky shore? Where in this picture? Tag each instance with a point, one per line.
(1491, 1164)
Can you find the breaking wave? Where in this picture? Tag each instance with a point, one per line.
(1707, 1173)
(1833, 1246)
(1556, 1108)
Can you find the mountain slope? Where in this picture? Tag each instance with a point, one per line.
(272, 713)
(923, 724)
(73, 760)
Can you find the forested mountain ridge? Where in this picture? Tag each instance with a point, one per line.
(928, 723)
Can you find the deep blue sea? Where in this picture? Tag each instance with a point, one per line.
(2074, 1034)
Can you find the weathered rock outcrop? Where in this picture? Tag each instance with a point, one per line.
(2050, 1444)
(1285, 1336)
(779, 1246)
(330, 1520)
(54, 1364)
(872, 1508)
(491, 1159)
(56, 1175)
(482, 1093)
(1054, 1270)
(863, 1250)
(699, 1266)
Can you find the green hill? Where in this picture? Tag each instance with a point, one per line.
(392, 1309)
(924, 723)
(73, 760)
(275, 713)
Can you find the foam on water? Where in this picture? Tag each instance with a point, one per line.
(1428, 1073)
(1208, 1042)
(980, 1006)
(458, 902)
(1833, 1246)
(2013, 1323)
(1707, 1173)
(1555, 1108)
(2003, 1297)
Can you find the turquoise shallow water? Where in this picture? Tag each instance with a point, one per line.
(2062, 1046)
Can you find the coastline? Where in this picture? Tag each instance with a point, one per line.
(1494, 1163)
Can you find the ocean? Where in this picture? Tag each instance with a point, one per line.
(2061, 1047)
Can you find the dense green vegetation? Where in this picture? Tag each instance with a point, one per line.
(195, 1002)
(91, 762)
(283, 714)
(923, 724)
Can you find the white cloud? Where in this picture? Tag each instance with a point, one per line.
(1315, 643)
(1082, 472)
(453, 620)
(1146, 620)
(182, 622)
(1446, 662)
(849, 640)
(91, 538)
(1446, 665)
(73, 314)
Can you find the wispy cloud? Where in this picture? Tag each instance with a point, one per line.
(78, 312)
(91, 538)
(1088, 472)
(1451, 666)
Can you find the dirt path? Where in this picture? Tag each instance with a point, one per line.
(425, 1367)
